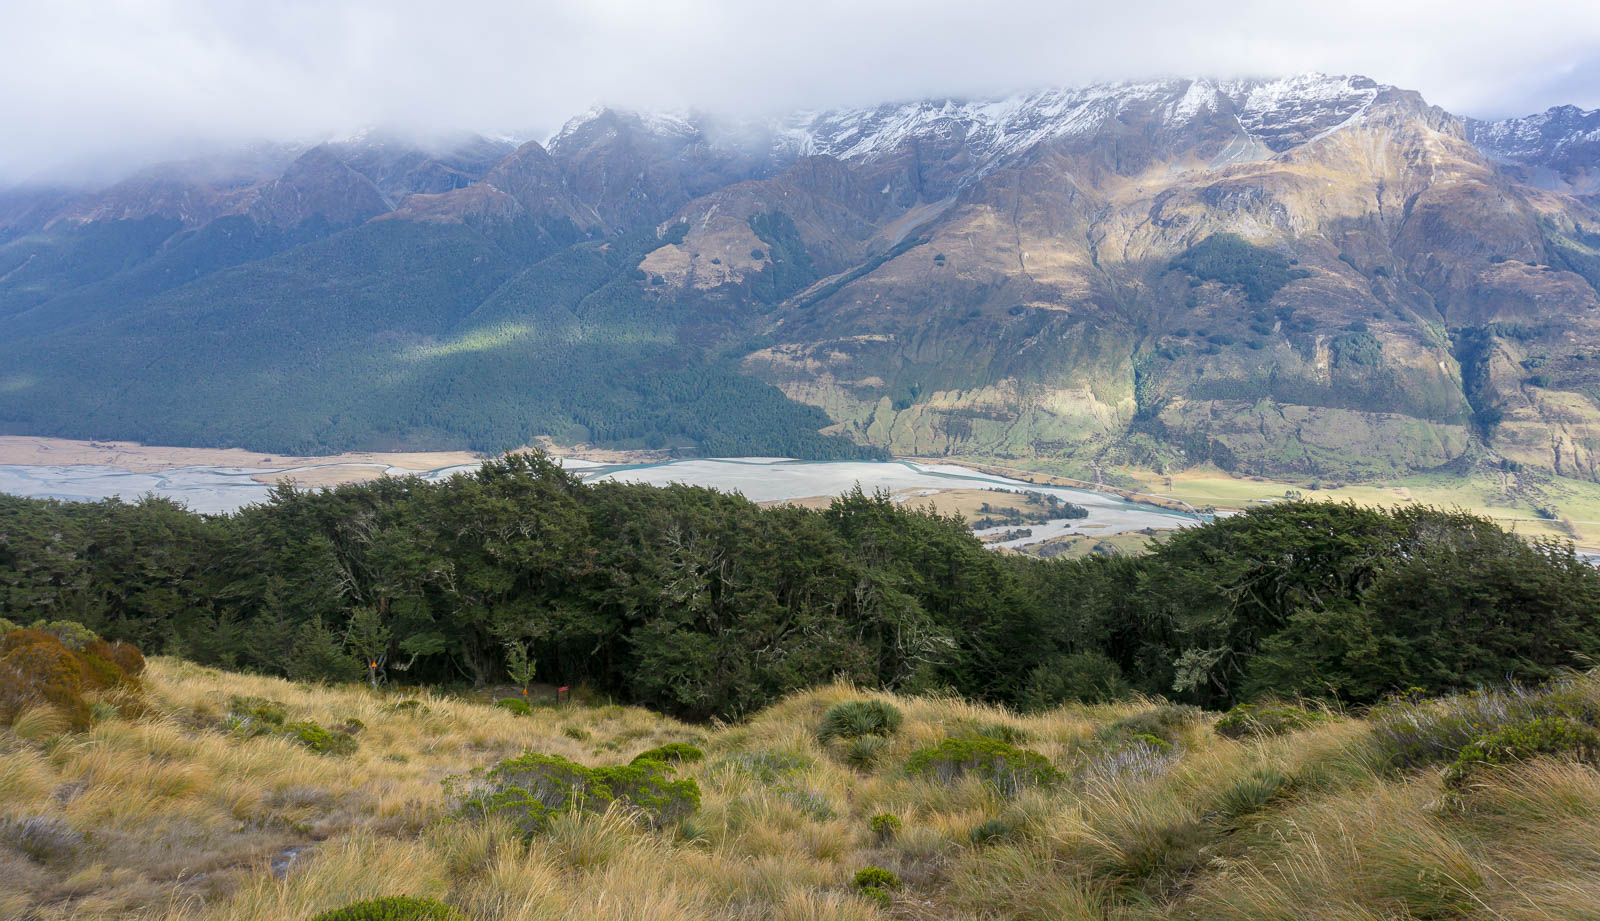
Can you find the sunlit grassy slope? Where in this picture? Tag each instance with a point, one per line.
(1519, 501)
(170, 816)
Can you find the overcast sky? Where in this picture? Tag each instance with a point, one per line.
(86, 84)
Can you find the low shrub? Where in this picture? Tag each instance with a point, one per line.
(38, 669)
(321, 740)
(1520, 741)
(1270, 719)
(876, 878)
(516, 705)
(1007, 767)
(853, 719)
(1408, 732)
(73, 635)
(880, 897)
(1165, 722)
(884, 825)
(249, 717)
(531, 789)
(393, 908)
(671, 753)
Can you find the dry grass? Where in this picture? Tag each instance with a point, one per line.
(170, 817)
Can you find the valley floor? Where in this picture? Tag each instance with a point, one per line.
(1153, 815)
(1534, 505)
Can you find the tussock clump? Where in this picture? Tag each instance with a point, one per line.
(1005, 732)
(854, 719)
(41, 838)
(409, 706)
(766, 766)
(671, 753)
(1140, 756)
(393, 908)
(1268, 719)
(1007, 767)
(992, 832)
(530, 790)
(862, 753)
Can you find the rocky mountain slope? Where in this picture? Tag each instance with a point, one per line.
(1311, 275)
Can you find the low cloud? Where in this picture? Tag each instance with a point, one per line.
(92, 87)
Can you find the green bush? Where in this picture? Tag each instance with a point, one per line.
(1007, 767)
(1408, 732)
(1165, 722)
(884, 825)
(1267, 720)
(880, 897)
(393, 908)
(1544, 735)
(671, 753)
(254, 716)
(853, 719)
(516, 705)
(876, 878)
(72, 634)
(531, 789)
(320, 740)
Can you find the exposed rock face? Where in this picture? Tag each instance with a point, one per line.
(1306, 275)
(1558, 149)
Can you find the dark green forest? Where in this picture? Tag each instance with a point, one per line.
(388, 335)
(702, 604)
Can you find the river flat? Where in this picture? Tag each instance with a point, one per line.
(216, 488)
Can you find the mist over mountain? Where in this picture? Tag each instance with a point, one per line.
(1304, 275)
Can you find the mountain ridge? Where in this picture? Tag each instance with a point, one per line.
(1070, 273)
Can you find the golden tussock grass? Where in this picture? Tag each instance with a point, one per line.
(170, 817)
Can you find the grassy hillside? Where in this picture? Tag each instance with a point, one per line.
(1143, 811)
